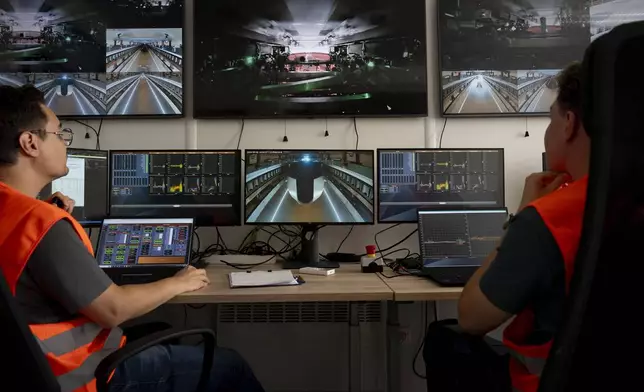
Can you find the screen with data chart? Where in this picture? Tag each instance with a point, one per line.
(473, 233)
(182, 183)
(438, 178)
(85, 183)
(144, 242)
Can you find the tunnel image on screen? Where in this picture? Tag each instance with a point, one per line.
(501, 57)
(67, 94)
(320, 187)
(51, 36)
(96, 58)
(144, 69)
(262, 58)
(438, 179)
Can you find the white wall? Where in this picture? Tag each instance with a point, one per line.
(522, 155)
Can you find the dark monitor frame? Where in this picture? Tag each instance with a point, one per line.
(239, 178)
(93, 224)
(184, 26)
(544, 164)
(446, 208)
(246, 152)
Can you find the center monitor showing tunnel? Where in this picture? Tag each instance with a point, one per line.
(96, 58)
(309, 187)
(303, 58)
(199, 184)
(501, 57)
(438, 179)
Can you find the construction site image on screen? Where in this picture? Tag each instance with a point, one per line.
(96, 58)
(263, 58)
(502, 56)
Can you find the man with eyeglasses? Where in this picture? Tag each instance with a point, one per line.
(73, 308)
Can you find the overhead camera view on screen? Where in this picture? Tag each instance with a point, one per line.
(302, 57)
(502, 56)
(96, 58)
(309, 187)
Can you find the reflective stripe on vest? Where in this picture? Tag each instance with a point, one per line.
(533, 365)
(73, 348)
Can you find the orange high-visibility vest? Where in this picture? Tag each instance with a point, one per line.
(563, 213)
(73, 348)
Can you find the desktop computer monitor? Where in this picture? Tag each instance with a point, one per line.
(200, 184)
(85, 183)
(440, 179)
(309, 188)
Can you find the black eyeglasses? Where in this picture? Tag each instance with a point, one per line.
(66, 135)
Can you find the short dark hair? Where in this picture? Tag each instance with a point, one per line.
(20, 110)
(569, 84)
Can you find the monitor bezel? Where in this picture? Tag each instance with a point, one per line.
(152, 267)
(146, 116)
(238, 221)
(373, 217)
(446, 208)
(439, 81)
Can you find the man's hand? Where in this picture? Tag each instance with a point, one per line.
(538, 185)
(191, 279)
(68, 203)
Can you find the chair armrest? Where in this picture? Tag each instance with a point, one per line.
(111, 362)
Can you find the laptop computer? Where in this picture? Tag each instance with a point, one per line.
(144, 250)
(454, 244)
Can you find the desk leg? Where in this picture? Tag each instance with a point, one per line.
(355, 349)
(393, 347)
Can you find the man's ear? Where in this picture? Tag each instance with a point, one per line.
(29, 144)
(572, 125)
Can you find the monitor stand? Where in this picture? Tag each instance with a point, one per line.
(309, 255)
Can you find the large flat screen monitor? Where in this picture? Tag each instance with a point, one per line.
(199, 184)
(501, 57)
(305, 58)
(85, 183)
(309, 187)
(439, 179)
(96, 58)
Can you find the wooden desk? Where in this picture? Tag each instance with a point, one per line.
(414, 288)
(348, 284)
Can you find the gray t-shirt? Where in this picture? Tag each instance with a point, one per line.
(529, 272)
(60, 278)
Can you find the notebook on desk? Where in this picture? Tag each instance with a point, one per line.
(263, 279)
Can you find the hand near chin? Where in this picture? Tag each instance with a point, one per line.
(66, 202)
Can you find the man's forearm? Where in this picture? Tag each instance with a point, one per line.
(139, 299)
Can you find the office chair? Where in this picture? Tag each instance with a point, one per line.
(598, 347)
(24, 367)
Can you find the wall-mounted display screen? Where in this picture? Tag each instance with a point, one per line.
(96, 58)
(277, 58)
(502, 57)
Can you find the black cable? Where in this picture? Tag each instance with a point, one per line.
(96, 132)
(241, 133)
(355, 129)
(345, 238)
(196, 239)
(440, 142)
(413, 364)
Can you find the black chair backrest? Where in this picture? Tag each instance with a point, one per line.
(24, 367)
(598, 347)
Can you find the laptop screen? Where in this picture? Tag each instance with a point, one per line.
(462, 234)
(125, 243)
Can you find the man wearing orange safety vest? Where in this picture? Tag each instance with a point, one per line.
(527, 276)
(72, 307)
